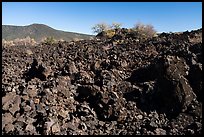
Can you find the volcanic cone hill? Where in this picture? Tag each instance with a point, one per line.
(39, 32)
(119, 85)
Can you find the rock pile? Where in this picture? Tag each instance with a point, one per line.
(108, 86)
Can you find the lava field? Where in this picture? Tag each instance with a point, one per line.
(104, 86)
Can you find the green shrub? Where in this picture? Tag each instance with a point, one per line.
(49, 40)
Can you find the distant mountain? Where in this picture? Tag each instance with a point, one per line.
(39, 32)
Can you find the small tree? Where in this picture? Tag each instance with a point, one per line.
(100, 27)
(146, 31)
(116, 25)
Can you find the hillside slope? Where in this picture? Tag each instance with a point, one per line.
(38, 32)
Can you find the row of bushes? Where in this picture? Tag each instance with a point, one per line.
(143, 30)
(17, 41)
(28, 41)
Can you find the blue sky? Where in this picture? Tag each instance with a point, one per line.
(81, 16)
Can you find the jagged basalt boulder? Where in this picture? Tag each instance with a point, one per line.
(174, 91)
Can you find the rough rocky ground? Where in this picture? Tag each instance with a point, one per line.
(115, 86)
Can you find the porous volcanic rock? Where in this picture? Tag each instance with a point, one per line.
(120, 85)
